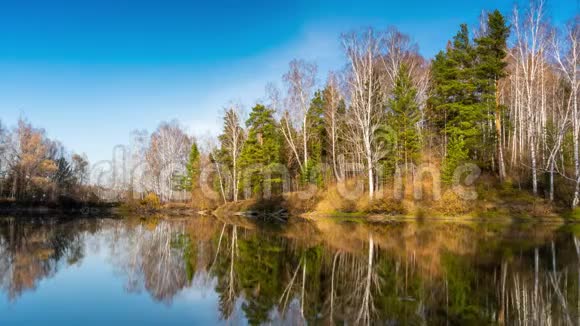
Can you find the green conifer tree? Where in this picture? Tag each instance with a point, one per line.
(456, 102)
(404, 117)
(262, 149)
(491, 67)
(317, 140)
(191, 178)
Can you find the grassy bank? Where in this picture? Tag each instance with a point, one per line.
(492, 201)
(489, 200)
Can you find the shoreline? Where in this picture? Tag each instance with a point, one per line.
(280, 213)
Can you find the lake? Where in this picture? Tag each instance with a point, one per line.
(205, 271)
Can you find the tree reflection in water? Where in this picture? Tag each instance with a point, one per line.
(154, 259)
(318, 271)
(31, 250)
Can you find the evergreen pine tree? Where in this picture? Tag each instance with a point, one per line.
(404, 117)
(491, 67)
(456, 101)
(262, 149)
(317, 140)
(491, 51)
(191, 178)
(456, 91)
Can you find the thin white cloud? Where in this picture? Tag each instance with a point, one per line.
(244, 81)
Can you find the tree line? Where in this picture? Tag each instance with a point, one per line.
(502, 96)
(35, 168)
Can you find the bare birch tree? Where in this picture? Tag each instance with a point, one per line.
(363, 50)
(530, 49)
(567, 57)
(332, 120)
(167, 154)
(232, 141)
(399, 49)
(300, 79)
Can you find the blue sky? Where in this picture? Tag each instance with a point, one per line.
(89, 72)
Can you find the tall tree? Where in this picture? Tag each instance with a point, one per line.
(567, 56)
(63, 177)
(191, 178)
(334, 110)
(80, 167)
(300, 79)
(404, 117)
(232, 142)
(531, 36)
(458, 111)
(491, 68)
(366, 107)
(317, 138)
(31, 164)
(168, 150)
(262, 148)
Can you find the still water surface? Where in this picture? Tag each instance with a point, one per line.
(205, 271)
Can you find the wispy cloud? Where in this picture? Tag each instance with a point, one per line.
(244, 80)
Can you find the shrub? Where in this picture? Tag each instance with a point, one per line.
(385, 205)
(151, 201)
(451, 204)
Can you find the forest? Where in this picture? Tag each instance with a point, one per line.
(494, 116)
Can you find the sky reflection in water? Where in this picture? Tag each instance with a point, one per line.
(208, 271)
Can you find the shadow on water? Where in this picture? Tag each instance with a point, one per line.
(322, 271)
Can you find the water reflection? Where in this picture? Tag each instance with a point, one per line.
(315, 272)
(34, 249)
